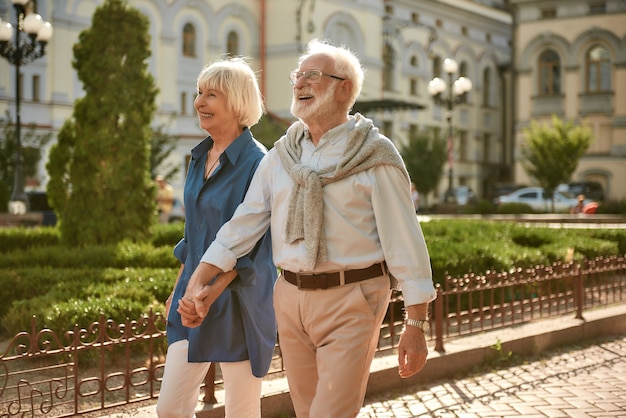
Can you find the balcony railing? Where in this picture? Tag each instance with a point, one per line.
(44, 373)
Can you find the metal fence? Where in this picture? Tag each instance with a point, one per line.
(43, 373)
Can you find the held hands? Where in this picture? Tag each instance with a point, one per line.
(199, 296)
(412, 352)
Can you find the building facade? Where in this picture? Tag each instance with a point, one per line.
(402, 44)
(570, 61)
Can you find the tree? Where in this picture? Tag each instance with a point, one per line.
(425, 155)
(269, 129)
(100, 184)
(550, 154)
(32, 144)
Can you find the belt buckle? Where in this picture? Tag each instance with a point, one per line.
(321, 277)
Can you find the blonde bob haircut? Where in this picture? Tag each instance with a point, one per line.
(234, 78)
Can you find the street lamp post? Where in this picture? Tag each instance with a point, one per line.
(455, 92)
(23, 50)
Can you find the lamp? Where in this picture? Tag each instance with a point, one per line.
(455, 92)
(22, 51)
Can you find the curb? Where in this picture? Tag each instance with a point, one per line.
(463, 354)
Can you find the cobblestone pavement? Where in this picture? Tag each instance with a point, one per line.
(586, 380)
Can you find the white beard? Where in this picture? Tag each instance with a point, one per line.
(324, 106)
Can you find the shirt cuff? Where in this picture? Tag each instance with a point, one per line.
(416, 292)
(219, 256)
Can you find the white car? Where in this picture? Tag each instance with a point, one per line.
(537, 198)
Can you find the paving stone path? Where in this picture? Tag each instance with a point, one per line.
(587, 380)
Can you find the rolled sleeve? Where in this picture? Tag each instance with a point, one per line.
(219, 256)
(401, 236)
(181, 251)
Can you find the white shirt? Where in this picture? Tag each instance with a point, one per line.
(368, 218)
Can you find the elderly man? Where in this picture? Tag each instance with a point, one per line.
(336, 195)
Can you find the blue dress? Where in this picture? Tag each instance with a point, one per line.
(240, 324)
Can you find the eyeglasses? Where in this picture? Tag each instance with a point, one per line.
(310, 76)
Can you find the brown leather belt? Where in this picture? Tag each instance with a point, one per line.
(326, 280)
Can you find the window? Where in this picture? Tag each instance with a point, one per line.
(31, 7)
(189, 40)
(598, 64)
(413, 61)
(464, 30)
(548, 13)
(437, 66)
(486, 147)
(597, 8)
(487, 87)
(183, 103)
(389, 57)
(388, 128)
(413, 86)
(415, 18)
(413, 130)
(463, 150)
(463, 69)
(232, 44)
(36, 88)
(549, 74)
(463, 73)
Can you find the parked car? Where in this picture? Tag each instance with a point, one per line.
(590, 189)
(540, 201)
(178, 211)
(502, 189)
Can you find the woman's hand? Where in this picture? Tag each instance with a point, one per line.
(199, 296)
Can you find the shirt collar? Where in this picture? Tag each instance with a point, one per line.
(232, 152)
(335, 134)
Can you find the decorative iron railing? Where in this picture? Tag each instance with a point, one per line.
(43, 373)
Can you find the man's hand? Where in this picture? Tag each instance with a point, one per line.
(200, 295)
(412, 352)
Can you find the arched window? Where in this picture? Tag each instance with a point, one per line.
(232, 44)
(487, 87)
(463, 73)
(463, 69)
(549, 73)
(598, 70)
(437, 66)
(389, 58)
(189, 40)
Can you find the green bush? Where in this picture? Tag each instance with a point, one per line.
(65, 286)
(514, 208)
(35, 291)
(483, 207)
(167, 234)
(612, 207)
(12, 239)
(122, 255)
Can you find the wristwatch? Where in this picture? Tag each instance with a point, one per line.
(422, 324)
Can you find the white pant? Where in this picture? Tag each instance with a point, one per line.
(180, 388)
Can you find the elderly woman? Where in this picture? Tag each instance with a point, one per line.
(239, 331)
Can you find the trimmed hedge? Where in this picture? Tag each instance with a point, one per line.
(62, 298)
(65, 286)
(457, 247)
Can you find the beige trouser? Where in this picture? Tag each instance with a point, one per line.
(328, 339)
(180, 387)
